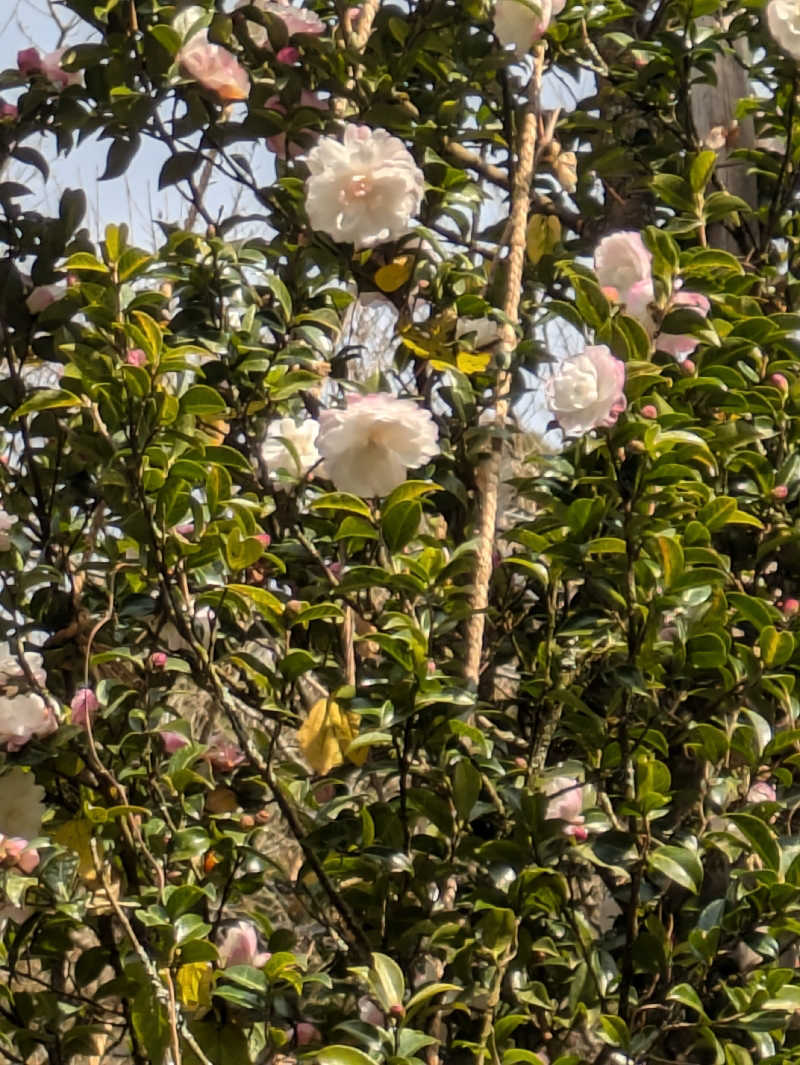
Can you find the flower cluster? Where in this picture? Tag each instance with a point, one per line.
(623, 266)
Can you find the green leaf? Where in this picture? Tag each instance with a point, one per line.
(701, 169)
(761, 836)
(387, 981)
(341, 501)
(425, 994)
(466, 787)
(47, 399)
(263, 600)
(687, 996)
(409, 490)
(342, 1055)
(83, 260)
(179, 167)
(776, 647)
(200, 399)
(678, 864)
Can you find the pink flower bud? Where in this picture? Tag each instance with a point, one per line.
(223, 754)
(779, 381)
(173, 741)
(649, 411)
(158, 659)
(790, 607)
(8, 110)
(29, 61)
(397, 1010)
(288, 55)
(761, 791)
(610, 293)
(84, 705)
(136, 357)
(688, 367)
(264, 538)
(780, 491)
(306, 1033)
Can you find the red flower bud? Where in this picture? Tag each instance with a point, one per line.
(158, 660)
(780, 491)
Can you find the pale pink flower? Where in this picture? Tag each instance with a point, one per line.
(214, 67)
(223, 754)
(278, 457)
(369, 446)
(22, 717)
(761, 791)
(681, 346)
(363, 189)
(783, 19)
(520, 23)
(566, 805)
(277, 142)
(43, 295)
(586, 391)
(238, 945)
(621, 261)
(49, 66)
(306, 1033)
(297, 20)
(173, 741)
(84, 706)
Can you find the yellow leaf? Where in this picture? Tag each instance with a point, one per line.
(194, 984)
(76, 836)
(326, 734)
(390, 277)
(472, 361)
(544, 233)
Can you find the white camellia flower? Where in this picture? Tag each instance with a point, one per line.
(7, 522)
(566, 804)
(363, 189)
(520, 23)
(621, 261)
(587, 390)
(238, 945)
(22, 717)
(21, 806)
(369, 446)
(301, 435)
(783, 19)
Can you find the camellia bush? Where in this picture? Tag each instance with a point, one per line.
(414, 702)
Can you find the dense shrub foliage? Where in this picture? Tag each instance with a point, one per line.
(269, 787)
